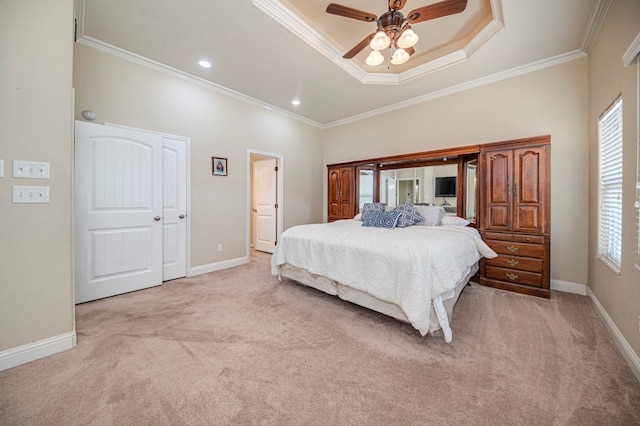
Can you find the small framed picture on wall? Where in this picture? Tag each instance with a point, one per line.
(219, 166)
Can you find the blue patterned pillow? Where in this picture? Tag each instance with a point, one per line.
(409, 216)
(371, 208)
(381, 219)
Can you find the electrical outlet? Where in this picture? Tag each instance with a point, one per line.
(30, 194)
(219, 248)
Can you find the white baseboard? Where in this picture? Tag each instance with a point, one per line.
(569, 287)
(627, 351)
(212, 267)
(36, 350)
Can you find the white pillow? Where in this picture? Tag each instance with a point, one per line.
(358, 217)
(432, 215)
(454, 221)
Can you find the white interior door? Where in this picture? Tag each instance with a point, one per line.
(265, 201)
(118, 210)
(174, 209)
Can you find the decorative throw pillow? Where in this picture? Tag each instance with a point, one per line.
(381, 219)
(371, 207)
(432, 215)
(454, 221)
(409, 216)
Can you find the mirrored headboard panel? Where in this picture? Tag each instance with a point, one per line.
(444, 177)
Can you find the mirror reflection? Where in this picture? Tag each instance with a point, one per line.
(365, 179)
(471, 185)
(430, 185)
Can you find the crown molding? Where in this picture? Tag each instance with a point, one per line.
(632, 51)
(285, 17)
(598, 13)
(513, 72)
(165, 69)
(276, 10)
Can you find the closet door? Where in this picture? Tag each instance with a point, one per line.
(174, 210)
(118, 210)
(497, 189)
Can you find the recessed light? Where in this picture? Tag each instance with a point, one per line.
(204, 64)
(295, 102)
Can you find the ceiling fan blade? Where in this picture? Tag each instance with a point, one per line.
(358, 47)
(349, 12)
(396, 4)
(410, 50)
(436, 10)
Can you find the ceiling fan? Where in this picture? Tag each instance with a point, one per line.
(394, 29)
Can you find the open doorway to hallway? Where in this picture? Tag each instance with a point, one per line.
(265, 202)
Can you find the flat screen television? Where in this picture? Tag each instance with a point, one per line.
(446, 186)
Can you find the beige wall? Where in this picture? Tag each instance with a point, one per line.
(551, 101)
(36, 55)
(123, 92)
(618, 294)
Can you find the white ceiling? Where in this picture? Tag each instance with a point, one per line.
(272, 51)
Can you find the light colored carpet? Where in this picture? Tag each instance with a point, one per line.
(237, 347)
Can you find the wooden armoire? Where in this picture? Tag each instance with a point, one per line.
(515, 219)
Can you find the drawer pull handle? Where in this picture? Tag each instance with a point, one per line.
(512, 249)
(512, 262)
(511, 276)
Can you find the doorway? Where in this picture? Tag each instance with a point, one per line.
(265, 200)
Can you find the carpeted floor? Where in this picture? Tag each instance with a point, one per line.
(237, 347)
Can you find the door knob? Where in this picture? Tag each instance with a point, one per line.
(181, 216)
(157, 218)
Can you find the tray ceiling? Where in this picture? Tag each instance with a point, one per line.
(272, 51)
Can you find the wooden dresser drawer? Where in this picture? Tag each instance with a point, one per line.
(520, 238)
(517, 249)
(515, 262)
(514, 276)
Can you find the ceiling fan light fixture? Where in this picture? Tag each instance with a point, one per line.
(400, 56)
(375, 58)
(407, 39)
(380, 41)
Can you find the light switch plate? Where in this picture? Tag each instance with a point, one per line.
(30, 169)
(1, 168)
(30, 194)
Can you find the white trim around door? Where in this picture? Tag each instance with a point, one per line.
(279, 198)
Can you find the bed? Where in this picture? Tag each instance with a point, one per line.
(414, 274)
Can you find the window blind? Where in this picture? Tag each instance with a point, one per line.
(610, 218)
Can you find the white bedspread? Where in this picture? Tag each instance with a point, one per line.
(408, 267)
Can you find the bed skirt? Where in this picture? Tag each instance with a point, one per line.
(441, 307)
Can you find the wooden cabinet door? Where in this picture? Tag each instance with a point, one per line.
(334, 194)
(346, 193)
(340, 193)
(529, 189)
(497, 189)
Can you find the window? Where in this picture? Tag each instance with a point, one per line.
(610, 217)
